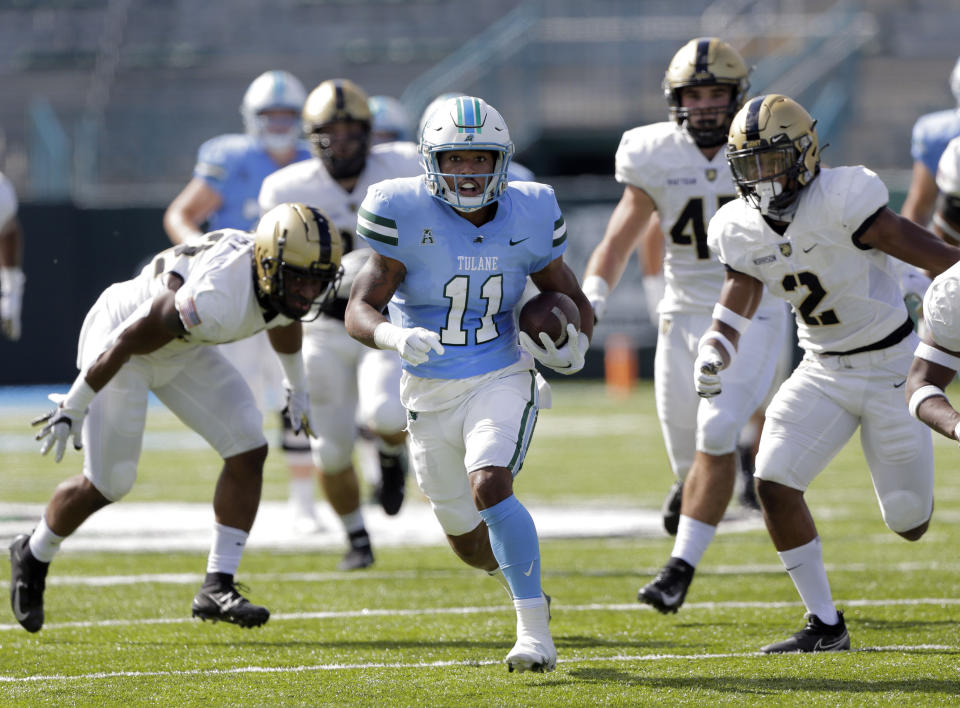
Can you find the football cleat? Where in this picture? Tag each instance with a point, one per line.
(667, 591)
(393, 482)
(533, 654)
(223, 602)
(815, 637)
(671, 508)
(27, 583)
(360, 554)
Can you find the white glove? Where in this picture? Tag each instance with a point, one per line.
(596, 289)
(12, 280)
(706, 371)
(568, 359)
(298, 410)
(413, 343)
(66, 419)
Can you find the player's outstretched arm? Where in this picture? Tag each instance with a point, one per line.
(903, 239)
(159, 325)
(932, 371)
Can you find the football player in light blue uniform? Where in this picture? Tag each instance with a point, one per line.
(929, 139)
(453, 249)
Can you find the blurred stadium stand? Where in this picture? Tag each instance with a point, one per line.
(106, 101)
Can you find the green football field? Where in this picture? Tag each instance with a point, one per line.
(420, 628)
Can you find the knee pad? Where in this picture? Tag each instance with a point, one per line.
(386, 417)
(116, 482)
(718, 434)
(332, 455)
(903, 510)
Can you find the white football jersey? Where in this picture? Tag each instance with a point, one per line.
(948, 170)
(845, 296)
(217, 301)
(310, 183)
(8, 201)
(687, 188)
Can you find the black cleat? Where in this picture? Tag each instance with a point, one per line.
(393, 481)
(356, 558)
(671, 508)
(667, 591)
(748, 495)
(815, 637)
(223, 602)
(27, 583)
(360, 554)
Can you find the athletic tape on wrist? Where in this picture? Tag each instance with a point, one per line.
(937, 356)
(730, 318)
(720, 337)
(922, 394)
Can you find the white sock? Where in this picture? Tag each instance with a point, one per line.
(226, 549)
(693, 537)
(353, 521)
(805, 566)
(44, 543)
(531, 616)
(301, 494)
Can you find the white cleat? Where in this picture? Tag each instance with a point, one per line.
(531, 654)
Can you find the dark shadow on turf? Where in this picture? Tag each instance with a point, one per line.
(765, 686)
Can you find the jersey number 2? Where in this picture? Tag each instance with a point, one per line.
(812, 283)
(456, 291)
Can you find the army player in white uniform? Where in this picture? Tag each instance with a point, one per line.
(342, 373)
(821, 239)
(152, 334)
(678, 168)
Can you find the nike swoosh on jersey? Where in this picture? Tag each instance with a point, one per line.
(807, 250)
(514, 243)
(898, 385)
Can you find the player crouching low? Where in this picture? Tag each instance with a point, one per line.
(151, 334)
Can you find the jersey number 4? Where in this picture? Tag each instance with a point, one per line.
(456, 291)
(691, 225)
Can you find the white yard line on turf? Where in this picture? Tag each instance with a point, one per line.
(619, 658)
(421, 612)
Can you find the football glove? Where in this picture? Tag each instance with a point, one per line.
(61, 423)
(706, 371)
(568, 359)
(413, 343)
(12, 280)
(297, 410)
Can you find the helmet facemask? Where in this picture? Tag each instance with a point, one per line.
(465, 123)
(297, 253)
(323, 143)
(270, 109)
(706, 61)
(336, 113)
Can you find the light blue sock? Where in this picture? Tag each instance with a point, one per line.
(513, 538)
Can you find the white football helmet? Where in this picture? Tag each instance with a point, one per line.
(465, 123)
(391, 121)
(432, 106)
(273, 90)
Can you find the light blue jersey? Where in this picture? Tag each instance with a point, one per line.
(234, 166)
(463, 281)
(931, 133)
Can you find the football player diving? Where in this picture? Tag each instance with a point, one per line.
(152, 334)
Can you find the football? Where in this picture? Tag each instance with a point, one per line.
(549, 312)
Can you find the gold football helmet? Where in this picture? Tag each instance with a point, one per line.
(706, 61)
(773, 152)
(296, 253)
(337, 122)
